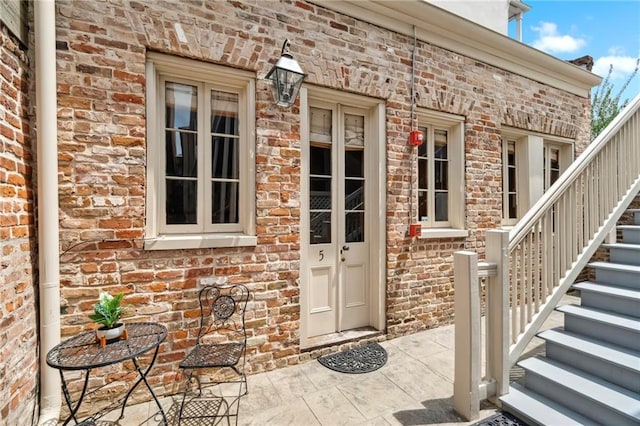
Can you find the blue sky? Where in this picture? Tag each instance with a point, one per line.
(608, 31)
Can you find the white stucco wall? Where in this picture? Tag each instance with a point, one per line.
(493, 14)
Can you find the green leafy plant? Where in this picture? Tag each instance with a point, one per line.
(108, 310)
(606, 104)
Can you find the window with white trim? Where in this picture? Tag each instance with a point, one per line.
(200, 146)
(530, 165)
(551, 168)
(441, 175)
(509, 182)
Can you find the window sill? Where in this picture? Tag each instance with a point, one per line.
(432, 233)
(173, 242)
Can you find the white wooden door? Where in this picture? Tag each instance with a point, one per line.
(337, 273)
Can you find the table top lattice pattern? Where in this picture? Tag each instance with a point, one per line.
(83, 352)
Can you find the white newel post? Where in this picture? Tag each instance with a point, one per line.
(466, 398)
(498, 311)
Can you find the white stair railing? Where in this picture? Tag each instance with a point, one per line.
(539, 259)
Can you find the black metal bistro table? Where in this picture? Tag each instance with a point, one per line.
(83, 352)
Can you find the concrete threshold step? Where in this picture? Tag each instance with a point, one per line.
(535, 409)
(600, 398)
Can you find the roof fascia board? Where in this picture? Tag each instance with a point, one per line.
(452, 32)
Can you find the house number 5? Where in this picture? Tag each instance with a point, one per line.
(321, 253)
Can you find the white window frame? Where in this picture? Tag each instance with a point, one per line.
(506, 220)
(530, 167)
(159, 235)
(454, 125)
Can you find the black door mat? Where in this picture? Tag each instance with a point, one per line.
(364, 359)
(500, 419)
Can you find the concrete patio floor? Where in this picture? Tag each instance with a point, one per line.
(414, 387)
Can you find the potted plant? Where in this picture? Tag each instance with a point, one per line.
(107, 312)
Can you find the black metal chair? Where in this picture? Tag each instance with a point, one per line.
(215, 365)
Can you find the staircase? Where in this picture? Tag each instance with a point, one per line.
(590, 374)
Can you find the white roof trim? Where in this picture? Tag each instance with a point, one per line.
(452, 32)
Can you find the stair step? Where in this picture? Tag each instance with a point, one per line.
(621, 330)
(628, 254)
(630, 233)
(617, 273)
(598, 399)
(535, 409)
(607, 297)
(617, 365)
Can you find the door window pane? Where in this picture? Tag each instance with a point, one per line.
(354, 227)
(353, 130)
(354, 163)
(354, 195)
(320, 161)
(320, 203)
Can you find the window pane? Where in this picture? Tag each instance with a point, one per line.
(320, 210)
(321, 125)
(512, 179)
(320, 203)
(224, 197)
(422, 206)
(181, 106)
(354, 227)
(354, 194)
(512, 206)
(320, 194)
(423, 177)
(320, 232)
(224, 113)
(181, 154)
(320, 159)
(225, 158)
(181, 204)
(441, 177)
(440, 144)
(353, 130)
(354, 163)
(442, 206)
(422, 148)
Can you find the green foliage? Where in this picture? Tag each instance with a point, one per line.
(606, 105)
(108, 310)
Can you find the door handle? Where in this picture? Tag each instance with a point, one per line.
(345, 247)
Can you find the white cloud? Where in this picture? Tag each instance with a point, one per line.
(623, 66)
(550, 41)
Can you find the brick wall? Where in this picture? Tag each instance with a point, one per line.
(18, 285)
(101, 120)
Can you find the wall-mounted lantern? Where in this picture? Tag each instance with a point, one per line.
(286, 77)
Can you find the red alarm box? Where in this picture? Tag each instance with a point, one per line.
(416, 137)
(415, 229)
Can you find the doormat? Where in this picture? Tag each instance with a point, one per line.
(500, 419)
(364, 359)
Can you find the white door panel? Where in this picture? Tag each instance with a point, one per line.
(337, 280)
